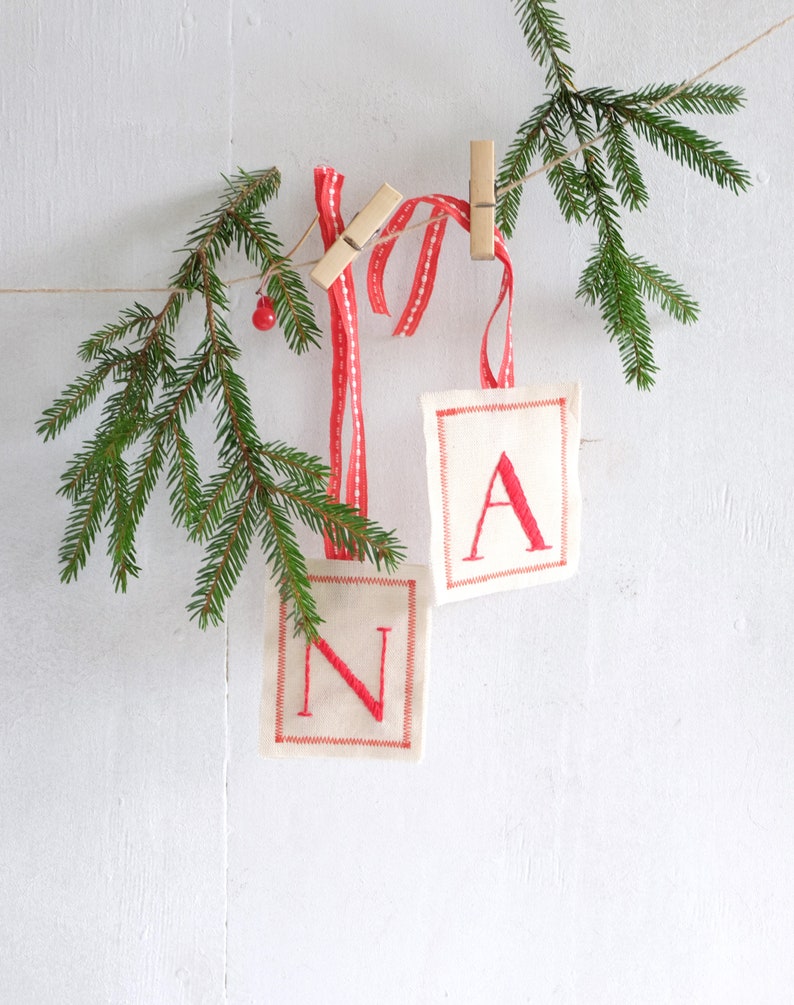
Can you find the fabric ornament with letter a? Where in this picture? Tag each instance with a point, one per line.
(503, 483)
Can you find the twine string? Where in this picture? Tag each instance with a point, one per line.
(282, 261)
(550, 165)
(543, 169)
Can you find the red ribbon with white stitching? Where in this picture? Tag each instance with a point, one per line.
(444, 207)
(346, 370)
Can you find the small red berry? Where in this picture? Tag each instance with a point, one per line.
(264, 317)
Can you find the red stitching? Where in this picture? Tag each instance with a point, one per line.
(341, 741)
(442, 444)
(505, 406)
(410, 657)
(517, 500)
(502, 573)
(473, 556)
(444, 413)
(307, 681)
(281, 669)
(358, 687)
(564, 521)
(410, 669)
(360, 580)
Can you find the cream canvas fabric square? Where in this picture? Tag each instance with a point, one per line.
(503, 484)
(359, 690)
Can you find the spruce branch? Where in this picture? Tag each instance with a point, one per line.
(346, 528)
(623, 312)
(226, 554)
(689, 147)
(214, 501)
(79, 395)
(288, 462)
(664, 290)
(701, 98)
(136, 320)
(623, 165)
(516, 164)
(289, 569)
(567, 182)
(546, 39)
(603, 176)
(260, 489)
(184, 478)
(121, 544)
(84, 523)
(290, 301)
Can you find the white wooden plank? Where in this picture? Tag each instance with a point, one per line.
(112, 828)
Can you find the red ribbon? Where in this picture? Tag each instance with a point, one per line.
(346, 370)
(445, 207)
(346, 367)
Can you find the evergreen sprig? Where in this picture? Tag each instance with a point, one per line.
(594, 185)
(260, 489)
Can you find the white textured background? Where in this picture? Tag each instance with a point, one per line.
(605, 810)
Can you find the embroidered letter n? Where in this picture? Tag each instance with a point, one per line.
(374, 707)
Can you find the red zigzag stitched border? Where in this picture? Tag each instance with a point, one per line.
(444, 413)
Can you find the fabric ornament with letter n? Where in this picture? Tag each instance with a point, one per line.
(357, 690)
(502, 461)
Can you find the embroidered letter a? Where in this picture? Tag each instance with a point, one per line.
(516, 499)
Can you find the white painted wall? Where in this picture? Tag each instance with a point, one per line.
(605, 810)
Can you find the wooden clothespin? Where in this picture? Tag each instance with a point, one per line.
(482, 200)
(351, 241)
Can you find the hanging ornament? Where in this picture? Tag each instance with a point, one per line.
(264, 317)
(501, 461)
(356, 688)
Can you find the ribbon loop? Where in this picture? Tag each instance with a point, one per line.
(442, 209)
